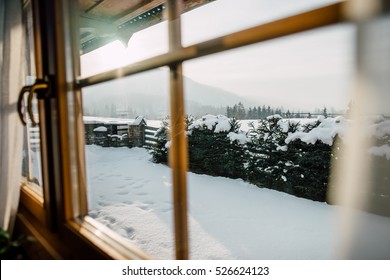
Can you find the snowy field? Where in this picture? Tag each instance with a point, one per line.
(228, 219)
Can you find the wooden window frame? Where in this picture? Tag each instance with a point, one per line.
(62, 128)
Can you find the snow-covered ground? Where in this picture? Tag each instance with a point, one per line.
(228, 219)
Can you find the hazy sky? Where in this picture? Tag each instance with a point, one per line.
(313, 69)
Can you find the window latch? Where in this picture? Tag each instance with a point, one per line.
(40, 88)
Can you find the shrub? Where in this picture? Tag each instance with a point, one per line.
(215, 147)
(275, 153)
(160, 150)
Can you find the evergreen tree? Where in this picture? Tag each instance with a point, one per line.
(255, 114)
(213, 153)
(263, 114)
(325, 112)
(265, 166)
(249, 114)
(311, 174)
(228, 112)
(241, 112)
(269, 111)
(234, 111)
(160, 150)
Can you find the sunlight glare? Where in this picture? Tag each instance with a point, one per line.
(147, 43)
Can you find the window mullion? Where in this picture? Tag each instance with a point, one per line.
(178, 151)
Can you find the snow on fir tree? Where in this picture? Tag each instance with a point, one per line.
(289, 155)
(160, 150)
(215, 146)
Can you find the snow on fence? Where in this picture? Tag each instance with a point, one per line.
(150, 136)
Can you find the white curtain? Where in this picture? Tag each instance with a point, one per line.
(11, 81)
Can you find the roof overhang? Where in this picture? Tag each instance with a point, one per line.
(104, 21)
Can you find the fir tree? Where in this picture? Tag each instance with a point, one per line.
(325, 112)
(264, 152)
(250, 114)
(259, 116)
(160, 150)
(228, 112)
(213, 153)
(241, 112)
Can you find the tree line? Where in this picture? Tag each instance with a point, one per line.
(238, 111)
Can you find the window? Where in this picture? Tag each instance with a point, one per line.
(126, 192)
(221, 18)
(286, 78)
(115, 73)
(32, 179)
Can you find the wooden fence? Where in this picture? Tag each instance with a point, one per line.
(119, 134)
(150, 136)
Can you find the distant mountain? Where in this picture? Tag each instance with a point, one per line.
(148, 94)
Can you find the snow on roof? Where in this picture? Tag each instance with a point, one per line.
(103, 120)
(138, 120)
(100, 129)
(119, 137)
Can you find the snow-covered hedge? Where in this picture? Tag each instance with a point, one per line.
(290, 155)
(323, 130)
(216, 146)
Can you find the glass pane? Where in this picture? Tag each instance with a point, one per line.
(31, 166)
(119, 33)
(31, 162)
(127, 191)
(362, 177)
(255, 190)
(222, 17)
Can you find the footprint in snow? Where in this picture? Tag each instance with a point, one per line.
(137, 186)
(102, 203)
(93, 215)
(149, 202)
(145, 181)
(143, 207)
(109, 219)
(142, 193)
(122, 193)
(130, 232)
